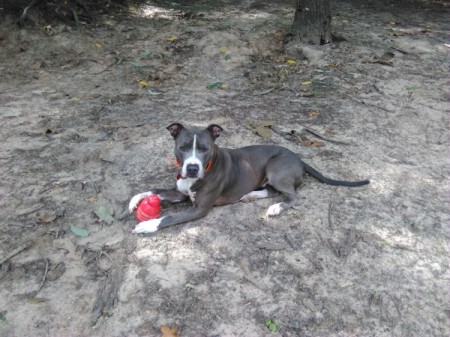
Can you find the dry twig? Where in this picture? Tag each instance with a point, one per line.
(16, 251)
(44, 277)
(330, 209)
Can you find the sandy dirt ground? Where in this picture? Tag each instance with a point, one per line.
(83, 120)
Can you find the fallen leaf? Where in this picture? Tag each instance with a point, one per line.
(312, 143)
(45, 216)
(171, 39)
(218, 85)
(168, 332)
(271, 325)
(79, 231)
(98, 45)
(263, 131)
(214, 85)
(263, 217)
(190, 286)
(314, 113)
(136, 65)
(154, 83)
(306, 94)
(92, 199)
(37, 300)
(10, 113)
(261, 128)
(291, 62)
(104, 215)
(307, 83)
(143, 83)
(385, 59)
(223, 50)
(146, 54)
(412, 88)
(153, 92)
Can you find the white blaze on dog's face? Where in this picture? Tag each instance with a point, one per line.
(191, 159)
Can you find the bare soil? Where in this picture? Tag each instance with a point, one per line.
(83, 120)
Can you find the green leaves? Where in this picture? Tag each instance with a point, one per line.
(104, 214)
(79, 231)
(270, 324)
(10, 112)
(38, 300)
(218, 85)
(145, 54)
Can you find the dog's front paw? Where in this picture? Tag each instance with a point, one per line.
(134, 202)
(274, 210)
(149, 226)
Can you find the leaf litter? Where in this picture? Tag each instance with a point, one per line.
(157, 267)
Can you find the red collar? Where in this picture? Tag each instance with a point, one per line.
(208, 166)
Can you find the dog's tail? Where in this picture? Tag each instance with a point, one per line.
(319, 176)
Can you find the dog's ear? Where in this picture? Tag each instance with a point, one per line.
(175, 129)
(214, 130)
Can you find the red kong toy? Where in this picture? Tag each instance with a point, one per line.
(148, 208)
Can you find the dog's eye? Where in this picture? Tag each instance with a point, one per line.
(184, 147)
(202, 148)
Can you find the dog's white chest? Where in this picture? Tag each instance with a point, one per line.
(184, 186)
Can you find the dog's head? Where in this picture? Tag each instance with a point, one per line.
(194, 148)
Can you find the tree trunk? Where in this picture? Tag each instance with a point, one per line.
(312, 22)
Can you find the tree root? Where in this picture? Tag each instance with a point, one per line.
(25, 11)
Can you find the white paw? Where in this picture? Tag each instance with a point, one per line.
(149, 226)
(134, 202)
(275, 209)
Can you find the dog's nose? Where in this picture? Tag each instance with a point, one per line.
(192, 170)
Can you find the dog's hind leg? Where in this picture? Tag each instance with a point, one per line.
(290, 200)
(284, 174)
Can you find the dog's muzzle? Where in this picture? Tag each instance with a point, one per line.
(192, 170)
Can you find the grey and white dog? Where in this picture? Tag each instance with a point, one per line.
(212, 176)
